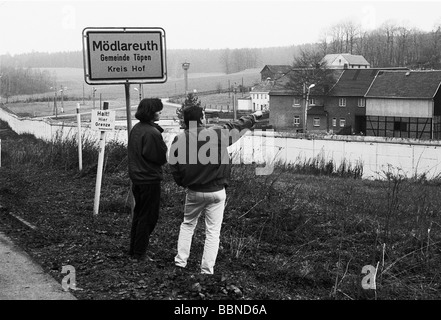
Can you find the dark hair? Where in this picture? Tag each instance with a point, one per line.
(192, 113)
(147, 108)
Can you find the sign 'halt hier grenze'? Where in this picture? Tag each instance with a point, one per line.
(103, 120)
(120, 55)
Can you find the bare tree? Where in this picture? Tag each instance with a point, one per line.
(402, 45)
(309, 57)
(351, 31)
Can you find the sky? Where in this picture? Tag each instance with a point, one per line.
(54, 26)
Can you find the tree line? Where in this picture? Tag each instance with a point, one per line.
(19, 80)
(390, 45)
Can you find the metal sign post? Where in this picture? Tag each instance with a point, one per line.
(124, 55)
(80, 148)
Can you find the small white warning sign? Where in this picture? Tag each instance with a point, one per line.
(103, 120)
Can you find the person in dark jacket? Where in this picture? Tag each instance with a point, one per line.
(199, 161)
(147, 153)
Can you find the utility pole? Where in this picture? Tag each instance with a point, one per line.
(234, 102)
(93, 97)
(55, 103)
(62, 98)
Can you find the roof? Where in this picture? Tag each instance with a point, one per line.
(264, 86)
(281, 85)
(277, 69)
(405, 84)
(351, 58)
(353, 83)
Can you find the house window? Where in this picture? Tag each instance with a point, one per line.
(296, 102)
(334, 122)
(342, 122)
(400, 126)
(342, 102)
(316, 122)
(361, 102)
(312, 101)
(296, 120)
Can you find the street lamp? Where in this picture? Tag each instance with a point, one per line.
(55, 111)
(62, 98)
(234, 102)
(306, 106)
(186, 66)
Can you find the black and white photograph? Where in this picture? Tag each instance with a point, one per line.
(220, 158)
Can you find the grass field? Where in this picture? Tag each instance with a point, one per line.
(297, 234)
(73, 80)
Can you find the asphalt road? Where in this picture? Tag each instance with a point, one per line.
(21, 278)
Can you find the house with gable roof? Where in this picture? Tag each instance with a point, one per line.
(404, 104)
(274, 72)
(259, 95)
(346, 104)
(288, 100)
(345, 61)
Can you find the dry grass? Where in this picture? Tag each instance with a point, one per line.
(285, 236)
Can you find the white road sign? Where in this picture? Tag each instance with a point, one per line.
(103, 120)
(121, 55)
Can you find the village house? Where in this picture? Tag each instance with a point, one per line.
(404, 104)
(390, 102)
(345, 61)
(288, 102)
(260, 95)
(274, 72)
(346, 104)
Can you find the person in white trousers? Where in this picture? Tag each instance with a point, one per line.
(199, 162)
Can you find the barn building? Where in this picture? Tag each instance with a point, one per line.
(404, 104)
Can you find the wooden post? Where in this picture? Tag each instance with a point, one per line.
(99, 173)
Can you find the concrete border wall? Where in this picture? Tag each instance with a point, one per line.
(378, 155)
